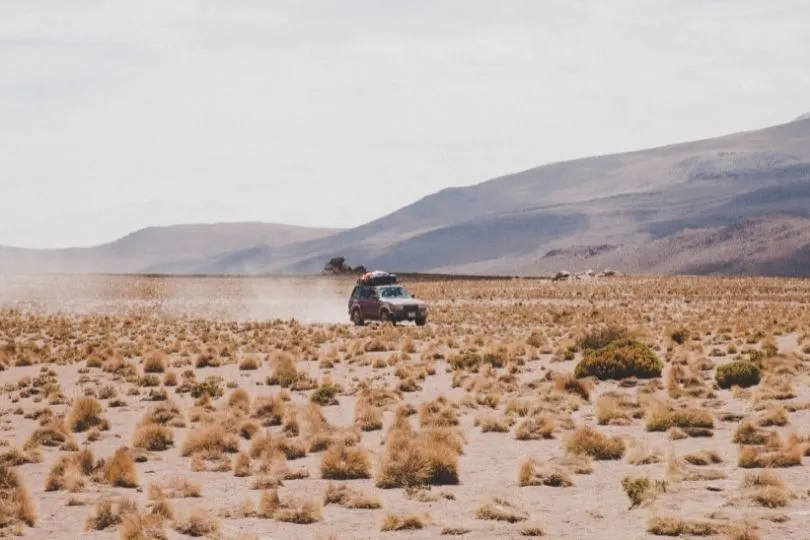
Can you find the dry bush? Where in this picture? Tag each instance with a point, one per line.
(284, 371)
(674, 526)
(660, 417)
(340, 462)
(198, 522)
(212, 439)
(239, 400)
(349, 497)
(320, 435)
(493, 423)
(534, 473)
(402, 522)
(16, 506)
(437, 413)
(71, 471)
(135, 526)
(640, 453)
(640, 490)
(16, 457)
(539, 426)
(616, 410)
(176, 487)
(155, 362)
(748, 433)
(752, 457)
(109, 513)
(532, 530)
(587, 440)
(619, 360)
(249, 363)
(501, 510)
(120, 469)
(368, 417)
(303, 514)
(86, 414)
(601, 337)
(775, 415)
(413, 459)
(270, 410)
(703, 457)
(241, 465)
(567, 383)
(152, 436)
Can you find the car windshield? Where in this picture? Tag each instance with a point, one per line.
(394, 292)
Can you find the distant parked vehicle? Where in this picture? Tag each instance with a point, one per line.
(377, 296)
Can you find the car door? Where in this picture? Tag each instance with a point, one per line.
(370, 303)
(354, 298)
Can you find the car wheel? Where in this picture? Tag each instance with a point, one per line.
(385, 316)
(357, 317)
(421, 321)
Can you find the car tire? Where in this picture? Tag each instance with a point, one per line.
(421, 321)
(385, 316)
(357, 317)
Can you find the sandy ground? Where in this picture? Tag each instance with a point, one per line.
(721, 316)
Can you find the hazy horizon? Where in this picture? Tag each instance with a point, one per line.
(119, 116)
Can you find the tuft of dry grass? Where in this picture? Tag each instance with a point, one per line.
(174, 488)
(587, 440)
(303, 514)
(534, 473)
(198, 522)
(499, 509)
(340, 462)
(109, 512)
(413, 459)
(675, 526)
(135, 526)
(16, 507)
(402, 522)
(155, 362)
(153, 437)
(703, 457)
(120, 469)
(348, 497)
(540, 426)
(86, 414)
(211, 439)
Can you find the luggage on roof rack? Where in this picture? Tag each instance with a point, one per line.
(377, 277)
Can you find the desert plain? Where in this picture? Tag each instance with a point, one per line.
(139, 407)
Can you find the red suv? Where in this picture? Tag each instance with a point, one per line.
(386, 303)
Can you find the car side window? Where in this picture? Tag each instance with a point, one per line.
(355, 292)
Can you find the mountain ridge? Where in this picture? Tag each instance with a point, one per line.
(630, 200)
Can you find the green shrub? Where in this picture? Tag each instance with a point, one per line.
(618, 360)
(324, 395)
(740, 373)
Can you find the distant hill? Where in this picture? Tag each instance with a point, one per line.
(770, 246)
(738, 202)
(628, 200)
(159, 247)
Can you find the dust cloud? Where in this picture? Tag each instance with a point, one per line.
(305, 299)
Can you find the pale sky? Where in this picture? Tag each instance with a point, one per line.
(120, 115)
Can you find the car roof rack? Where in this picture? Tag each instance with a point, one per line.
(377, 277)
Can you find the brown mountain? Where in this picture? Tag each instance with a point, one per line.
(158, 246)
(735, 203)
